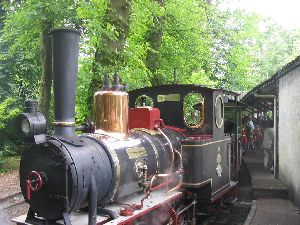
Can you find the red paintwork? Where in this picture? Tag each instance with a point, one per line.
(177, 129)
(159, 186)
(132, 219)
(244, 136)
(144, 117)
(127, 211)
(28, 190)
(173, 215)
(30, 180)
(199, 137)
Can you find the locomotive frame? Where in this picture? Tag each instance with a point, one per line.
(173, 159)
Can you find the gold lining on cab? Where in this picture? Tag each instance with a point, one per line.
(186, 108)
(220, 116)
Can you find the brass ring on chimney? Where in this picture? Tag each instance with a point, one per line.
(64, 123)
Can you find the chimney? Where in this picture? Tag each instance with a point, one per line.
(65, 49)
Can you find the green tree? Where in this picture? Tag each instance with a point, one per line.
(106, 26)
(149, 41)
(4, 64)
(233, 50)
(186, 42)
(8, 135)
(154, 39)
(276, 47)
(26, 29)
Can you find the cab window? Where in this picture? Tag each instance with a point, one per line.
(144, 101)
(219, 111)
(193, 110)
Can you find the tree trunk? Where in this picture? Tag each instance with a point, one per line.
(175, 76)
(46, 78)
(118, 15)
(155, 41)
(109, 52)
(96, 81)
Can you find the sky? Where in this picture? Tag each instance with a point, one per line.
(284, 12)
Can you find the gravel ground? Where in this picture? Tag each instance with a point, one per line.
(9, 184)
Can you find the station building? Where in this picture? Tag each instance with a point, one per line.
(280, 94)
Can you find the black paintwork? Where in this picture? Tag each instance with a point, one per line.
(172, 111)
(152, 143)
(70, 167)
(199, 157)
(66, 167)
(65, 48)
(200, 163)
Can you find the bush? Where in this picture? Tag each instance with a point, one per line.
(9, 138)
(9, 164)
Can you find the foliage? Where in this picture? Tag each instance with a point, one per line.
(83, 110)
(193, 109)
(186, 42)
(8, 135)
(8, 164)
(22, 33)
(135, 72)
(276, 47)
(201, 43)
(4, 79)
(233, 34)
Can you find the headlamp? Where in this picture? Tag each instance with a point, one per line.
(25, 127)
(32, 123)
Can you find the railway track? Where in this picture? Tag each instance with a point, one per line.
(12, 206)
(234, 214)
(11, 201)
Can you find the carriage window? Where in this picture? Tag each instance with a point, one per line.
(144, 101)
(219, 111)
(193, 110)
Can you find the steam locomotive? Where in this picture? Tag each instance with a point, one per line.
(151, 156)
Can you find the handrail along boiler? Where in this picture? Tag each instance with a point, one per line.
(164, 153)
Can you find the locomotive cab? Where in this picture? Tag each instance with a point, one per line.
(198, 113)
